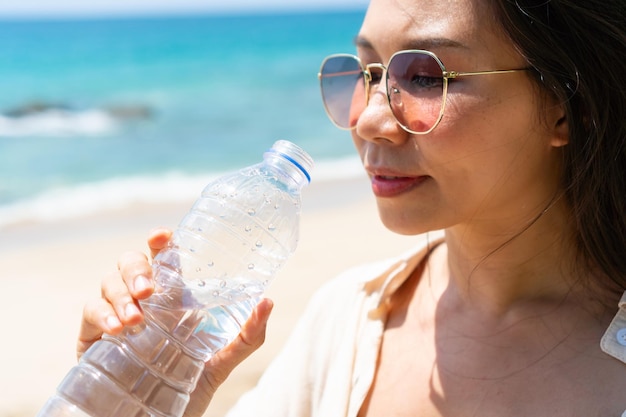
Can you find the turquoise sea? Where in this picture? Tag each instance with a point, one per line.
(103, 113)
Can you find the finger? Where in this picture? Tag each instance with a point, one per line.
(157, 240)
(98, 317)
(221, 365)
(136, 272)
(117, 294)
(251, 337)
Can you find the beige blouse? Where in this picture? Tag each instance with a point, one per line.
(328, 364)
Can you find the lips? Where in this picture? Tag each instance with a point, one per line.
(391, 186)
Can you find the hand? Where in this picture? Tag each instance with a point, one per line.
(118, 307)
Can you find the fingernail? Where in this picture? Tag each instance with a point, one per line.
(141, 283)
(131, 310)
(113, 322)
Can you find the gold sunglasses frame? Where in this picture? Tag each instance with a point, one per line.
(367, 78)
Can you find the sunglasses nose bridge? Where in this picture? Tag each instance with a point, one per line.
(369, 78)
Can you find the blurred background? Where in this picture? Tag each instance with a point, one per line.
(113, 117)
(108, 104)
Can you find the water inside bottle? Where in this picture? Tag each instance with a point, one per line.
(205, 314)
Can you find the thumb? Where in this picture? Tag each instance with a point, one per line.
(157, 239)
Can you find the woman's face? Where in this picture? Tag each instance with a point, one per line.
(493, 161)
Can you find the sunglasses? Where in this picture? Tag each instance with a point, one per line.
(416, 83)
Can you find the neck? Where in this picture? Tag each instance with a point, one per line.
(495, 270)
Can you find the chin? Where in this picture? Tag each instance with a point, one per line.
(411, 220)
(402, 224)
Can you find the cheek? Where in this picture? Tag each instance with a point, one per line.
(503, 178)
(507, 106)
(489, 127)
(487, 153)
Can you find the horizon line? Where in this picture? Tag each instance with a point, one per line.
(49, 15)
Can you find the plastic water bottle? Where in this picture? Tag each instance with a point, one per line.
(220, 260)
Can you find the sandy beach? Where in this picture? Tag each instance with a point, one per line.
(49, 270)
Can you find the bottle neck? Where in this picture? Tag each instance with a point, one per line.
(292, 161)
(286, 172)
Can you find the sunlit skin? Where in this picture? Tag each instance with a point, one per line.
(491, 314)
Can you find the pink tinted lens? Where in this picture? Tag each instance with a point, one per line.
(415, 87)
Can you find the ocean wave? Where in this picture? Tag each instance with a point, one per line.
(118, 193)
(58, 122)
(51, 119)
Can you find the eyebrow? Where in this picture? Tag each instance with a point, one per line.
(425, 44)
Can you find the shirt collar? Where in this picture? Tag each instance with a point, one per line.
(391, 274)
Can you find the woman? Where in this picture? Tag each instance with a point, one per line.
(502, 124)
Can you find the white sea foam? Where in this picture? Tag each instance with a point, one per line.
(118, 193)
(58, 122)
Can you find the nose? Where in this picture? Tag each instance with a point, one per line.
(377, 122)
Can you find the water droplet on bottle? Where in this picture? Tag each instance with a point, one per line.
(251, 212)
(271, 227)
(223, 284)
(192, 250)
(198, 269)
(276, 206)
(215, 293)
(248, 228)
(201, 283)
(210, 264)
(268, 200)
(266, 282)
(258, 244)
(241, 288)
(250, 266)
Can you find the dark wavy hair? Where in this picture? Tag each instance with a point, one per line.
(578, 51)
